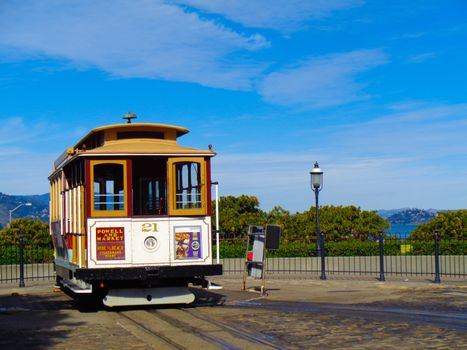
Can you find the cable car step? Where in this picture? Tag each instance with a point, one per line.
(148, 296)
(76, 286)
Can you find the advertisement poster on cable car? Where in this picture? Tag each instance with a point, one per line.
(187, 242)
(110, 243)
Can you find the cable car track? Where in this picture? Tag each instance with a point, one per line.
(186, 326)
(240, 333)
(449, 319)
(145, 333)
(183, 329)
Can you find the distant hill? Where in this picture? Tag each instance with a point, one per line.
(411, 216)
(386, 213)
(38, 210)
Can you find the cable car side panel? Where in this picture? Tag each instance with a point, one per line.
(127, 242)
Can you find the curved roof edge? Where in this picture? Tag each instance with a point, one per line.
(180, 131)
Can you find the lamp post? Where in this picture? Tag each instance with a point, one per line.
(316, 185)
(19, 206)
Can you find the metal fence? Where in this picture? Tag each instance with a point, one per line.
(378, 257)
(452, 266)
(21, 262)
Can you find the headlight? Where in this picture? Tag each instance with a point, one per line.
(150, 243)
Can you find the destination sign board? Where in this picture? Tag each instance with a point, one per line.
(110, 243)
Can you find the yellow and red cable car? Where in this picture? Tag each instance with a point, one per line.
(130, 215)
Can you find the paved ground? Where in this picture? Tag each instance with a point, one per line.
(296, 314)
(362, 314)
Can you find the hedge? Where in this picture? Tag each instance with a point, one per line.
(31, 255)
(237, 249)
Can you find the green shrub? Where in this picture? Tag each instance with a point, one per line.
(294, 249)
(237, 249)
(453, 247)
(231, 249)
(351, 248)
(31, 255)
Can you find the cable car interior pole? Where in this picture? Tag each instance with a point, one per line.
(216, 184)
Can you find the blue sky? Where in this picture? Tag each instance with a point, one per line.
(376, 91)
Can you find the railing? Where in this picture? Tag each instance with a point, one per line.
(377, 257)
(397, 266)
(22, 262)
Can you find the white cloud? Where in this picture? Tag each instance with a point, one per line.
(419, 58)
(374, 182)
(141, 38)
(283, 179)
(25, 172)
(414, 158)
(16, 131)
(275, 178)
(323, 81)
(283, 15)
(27, 152)
(6, 127)
(424, 132)
(410, 36)
(155, 39)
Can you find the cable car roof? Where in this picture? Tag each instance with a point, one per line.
(132, 139)
(171, 131)
(140, 146)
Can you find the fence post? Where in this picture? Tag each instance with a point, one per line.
(437, 278)
(21, 260)
(381, 256)
(323, 256)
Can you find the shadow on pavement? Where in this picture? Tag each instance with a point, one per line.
(30, 320)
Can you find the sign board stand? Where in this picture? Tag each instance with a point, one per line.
(260, 239)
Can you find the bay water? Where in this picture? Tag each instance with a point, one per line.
(402, 231)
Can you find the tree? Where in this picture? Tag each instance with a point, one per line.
(295, 227)
(339, 222)
(450, 225)
(35, 232)
(236, 213)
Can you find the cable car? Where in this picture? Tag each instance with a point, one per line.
(130, 215)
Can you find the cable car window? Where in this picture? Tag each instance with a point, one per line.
(188, 185)
(109, 187)
(140, 135)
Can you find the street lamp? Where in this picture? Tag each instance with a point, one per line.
(19, 206)
(317, 185)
